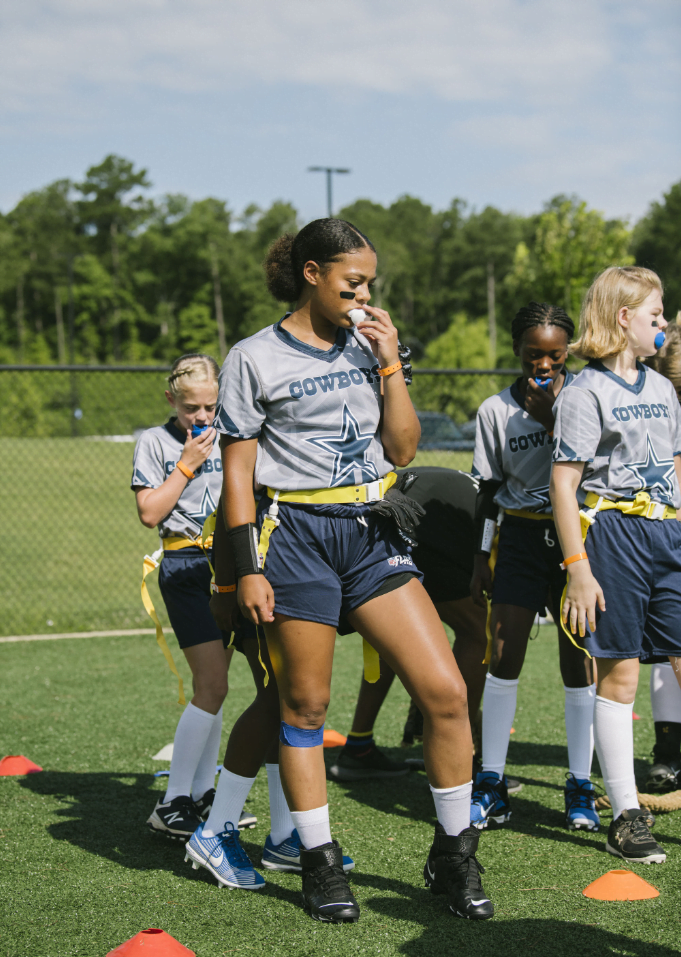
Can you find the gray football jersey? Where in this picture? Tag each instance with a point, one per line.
(628, 435)
(315, 413)
(157, 452)
(513, 448)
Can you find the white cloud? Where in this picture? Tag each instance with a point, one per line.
(454, 49)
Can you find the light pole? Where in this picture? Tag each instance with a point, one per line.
(329, 170)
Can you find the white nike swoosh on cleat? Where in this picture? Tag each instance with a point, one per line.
(337, 904)
(431, 874)
(485, 900)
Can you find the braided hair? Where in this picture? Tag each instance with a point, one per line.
(192, 367)
(541, 314)
(322, 241)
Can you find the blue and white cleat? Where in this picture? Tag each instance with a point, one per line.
(224, 857)
(580, 804)
(489, 801)
(286, 856)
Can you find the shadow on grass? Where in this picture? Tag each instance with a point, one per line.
(445, 934)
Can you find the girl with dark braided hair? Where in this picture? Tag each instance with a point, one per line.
(517, 565)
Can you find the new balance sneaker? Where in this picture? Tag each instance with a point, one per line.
(204, 805)
(580, 804)
(223, 857)
(360, 763)
(326, 894)
(286, 856)
(453, 869)
(178, 819)
(629, 838)
(413, 728)
(513, 786)
(489, 801)
(664, 776)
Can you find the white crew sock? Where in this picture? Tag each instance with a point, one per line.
(281, 822)
(453, 807)
(665, 694)
(498, 713)
(313, 826)
(230, 797)
(204, 776)
(579, 728)
(614, 737)
(193, 731)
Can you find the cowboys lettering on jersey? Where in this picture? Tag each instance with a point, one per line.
(627, 434)
(157, 452)
(513, 448)
(272, 380)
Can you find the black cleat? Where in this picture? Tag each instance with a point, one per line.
(178, 819)
(326, 893)
(413, 728)
(453, 869)
(204, 806)
(357, 764)
(663, 776)
(629, 838)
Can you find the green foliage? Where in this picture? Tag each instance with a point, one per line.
(657, 244)
(568, 245)
(464, 345)
(150, 278)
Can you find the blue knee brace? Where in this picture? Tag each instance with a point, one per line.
(300, 737)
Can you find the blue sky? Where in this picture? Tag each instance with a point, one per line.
(505, 102)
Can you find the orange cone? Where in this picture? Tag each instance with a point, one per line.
(151, 943)
(620, 886)
(332, 739)
(13, 764)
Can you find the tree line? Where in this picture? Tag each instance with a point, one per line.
(98, 272)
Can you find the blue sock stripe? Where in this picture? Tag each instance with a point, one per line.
(300, 737)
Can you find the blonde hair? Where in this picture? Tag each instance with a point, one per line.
(600, 334)
(668, 360)
(194, 367)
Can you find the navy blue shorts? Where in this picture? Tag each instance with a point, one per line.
(637, 563)
(184, 581)
(528, 572)
(322, 563)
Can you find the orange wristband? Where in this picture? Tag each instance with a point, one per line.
(573, 558)
(221, 589)
(390, 369)
(187, 472)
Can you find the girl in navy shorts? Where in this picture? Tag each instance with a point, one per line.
(177, 479)
(615, 494)
(315, 411)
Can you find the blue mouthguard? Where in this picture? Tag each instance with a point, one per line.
(542, 383)
(198, 430)
(660, 339)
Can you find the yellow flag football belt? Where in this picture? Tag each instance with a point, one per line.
(346, 495)
(151, 563)
(640, 506)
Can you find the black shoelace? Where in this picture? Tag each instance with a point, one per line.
(471, 868)
(329, 879)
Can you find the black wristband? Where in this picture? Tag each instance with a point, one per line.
(244, 539)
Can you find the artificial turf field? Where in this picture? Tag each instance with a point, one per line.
(79, 872)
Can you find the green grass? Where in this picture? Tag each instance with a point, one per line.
(79, 874)
(73, 547)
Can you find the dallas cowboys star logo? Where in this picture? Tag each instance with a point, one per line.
(349, 448)
(654, 472)
(205, 509)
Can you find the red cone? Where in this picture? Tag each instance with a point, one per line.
(151, 943)
(14, 764)
(620, 885)
(333, 739)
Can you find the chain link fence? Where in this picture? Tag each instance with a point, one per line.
(73, 545)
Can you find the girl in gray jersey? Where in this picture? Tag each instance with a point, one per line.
(315, 409)
(177, 479)
(615, 493)
(513, 444)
